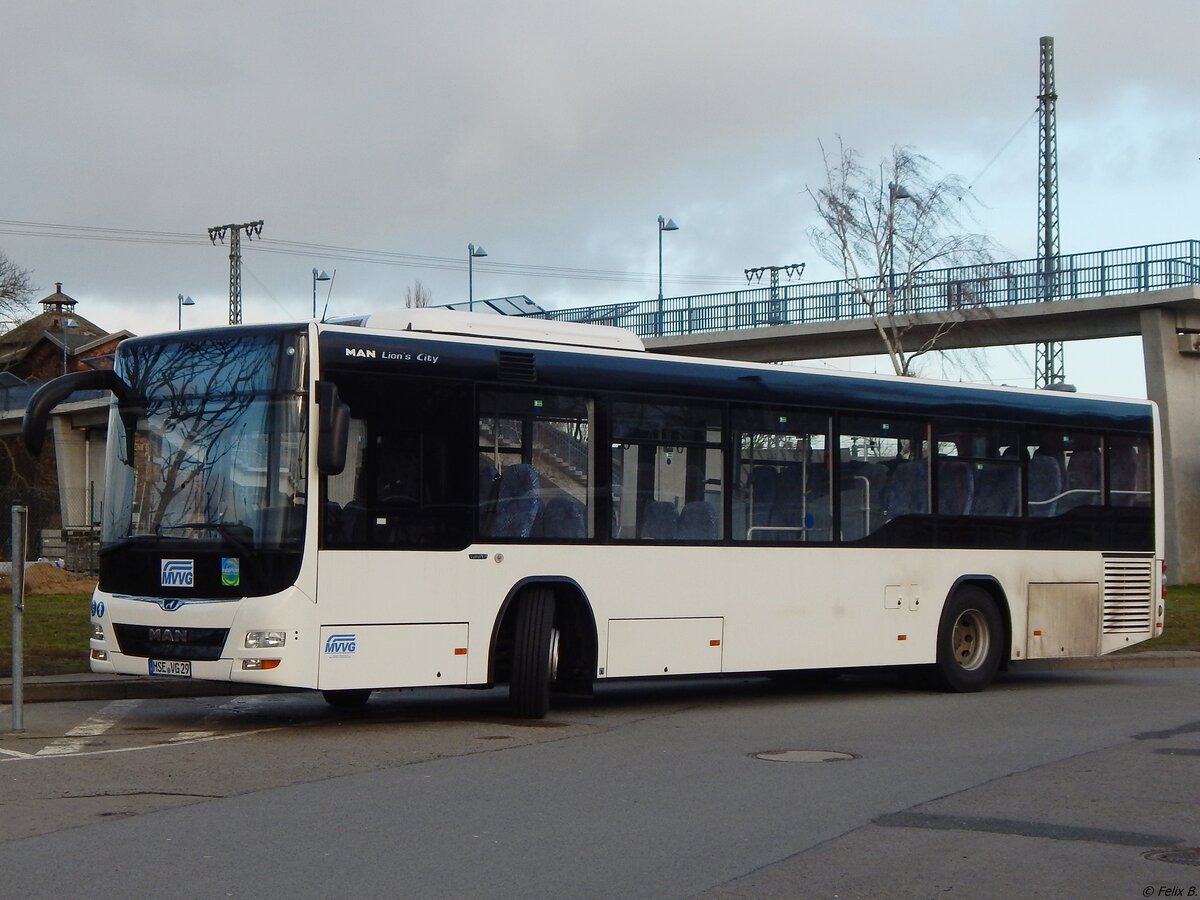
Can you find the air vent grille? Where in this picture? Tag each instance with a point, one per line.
(1128, 594)
(516, 365)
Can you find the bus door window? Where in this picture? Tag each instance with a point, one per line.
(535, 467)
(405, 483)
(342, 492)
(782, 475)
(978, 469)
(501, 439)
(883, 472)
(667, 470)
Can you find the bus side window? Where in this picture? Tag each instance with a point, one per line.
(781, 488)
(1129, 470)
(1066, 471)
(883, 472)
(979, 469)
(667, 471)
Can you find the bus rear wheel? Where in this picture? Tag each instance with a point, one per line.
(535, 654)
(970, 636)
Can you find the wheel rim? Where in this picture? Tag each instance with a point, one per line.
(971, 638)
(552, 667)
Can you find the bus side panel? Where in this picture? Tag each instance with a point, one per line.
(664, 646)
(1064, 620)
(397, 655)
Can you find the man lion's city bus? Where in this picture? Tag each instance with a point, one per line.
(433, 497)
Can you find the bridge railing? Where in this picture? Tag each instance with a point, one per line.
(1094, 274)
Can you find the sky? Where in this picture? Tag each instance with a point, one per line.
(380, 139)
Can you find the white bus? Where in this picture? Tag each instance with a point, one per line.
(440, 498)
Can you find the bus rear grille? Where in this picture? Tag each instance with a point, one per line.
(171, 643)
(1128, 594)
(516, 365)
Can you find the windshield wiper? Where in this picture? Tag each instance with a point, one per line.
(241, 536)
(133, 539)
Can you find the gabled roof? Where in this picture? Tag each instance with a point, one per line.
(58, 325)
(79, 331)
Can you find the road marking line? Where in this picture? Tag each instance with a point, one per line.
(202, 740)
(16, 754)
(191, 736)
(74, 740)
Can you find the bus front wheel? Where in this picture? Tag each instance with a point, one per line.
(535, 654)
(970, 636)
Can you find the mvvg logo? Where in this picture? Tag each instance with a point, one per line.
(178, 572)
(341, 644)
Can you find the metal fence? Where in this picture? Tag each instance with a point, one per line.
(1095, 274)
(43, 516)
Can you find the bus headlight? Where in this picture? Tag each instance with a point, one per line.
(258, 640)
(97, 631)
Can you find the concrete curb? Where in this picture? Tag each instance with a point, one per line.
(87, 686)
(1147, 659)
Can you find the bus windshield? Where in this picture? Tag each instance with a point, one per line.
(210, 443)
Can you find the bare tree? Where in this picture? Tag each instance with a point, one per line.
(884, 228)
(16, 292)
(417, 296)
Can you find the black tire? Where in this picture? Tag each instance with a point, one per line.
(535, 651)
(969, 643)
(347, 700)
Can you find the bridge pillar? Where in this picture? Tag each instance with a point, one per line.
(1173, 382)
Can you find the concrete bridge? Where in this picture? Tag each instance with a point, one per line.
(1152, 291)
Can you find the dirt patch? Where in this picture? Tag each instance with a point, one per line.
(44, 578)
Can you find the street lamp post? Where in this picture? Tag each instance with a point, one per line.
(317, 276)
(473, 252)
(663, 225)
(184, 301)
(895, 192)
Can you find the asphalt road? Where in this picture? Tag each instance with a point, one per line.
(1051, 784)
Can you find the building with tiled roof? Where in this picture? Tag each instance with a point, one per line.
(63, 486)
(57, 340)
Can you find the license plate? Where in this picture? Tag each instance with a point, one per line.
(176, 668)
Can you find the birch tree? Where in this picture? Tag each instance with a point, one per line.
(884, 227)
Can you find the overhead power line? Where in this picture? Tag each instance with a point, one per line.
(353, 254)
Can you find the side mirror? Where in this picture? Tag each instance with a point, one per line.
(54, 392)
(333, 423)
